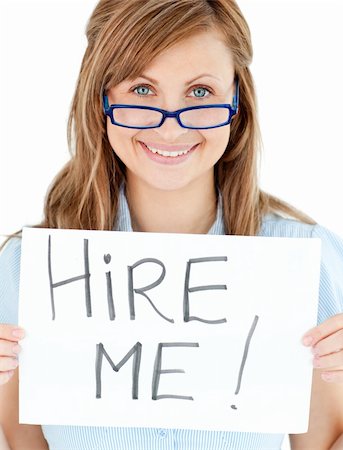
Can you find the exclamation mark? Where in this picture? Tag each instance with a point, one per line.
(244, 358)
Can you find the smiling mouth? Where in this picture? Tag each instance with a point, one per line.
(171, 154)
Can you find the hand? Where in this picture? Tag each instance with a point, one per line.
(326, 341)
(9, 349)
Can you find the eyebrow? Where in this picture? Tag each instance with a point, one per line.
(152, 80)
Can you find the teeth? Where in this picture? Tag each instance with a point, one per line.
(166, 153)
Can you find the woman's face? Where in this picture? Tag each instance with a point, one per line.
(196, 71)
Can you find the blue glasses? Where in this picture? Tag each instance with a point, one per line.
(202, 117)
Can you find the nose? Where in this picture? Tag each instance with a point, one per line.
(171, 130)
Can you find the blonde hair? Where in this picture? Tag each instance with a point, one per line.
(123, 37)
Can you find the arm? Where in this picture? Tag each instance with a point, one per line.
(326, 341)
(326, 417)
(3, 441)
(19, 437)
(338, 444)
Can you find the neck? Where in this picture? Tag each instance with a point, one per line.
(191, 209)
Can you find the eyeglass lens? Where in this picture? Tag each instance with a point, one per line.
(199, 118)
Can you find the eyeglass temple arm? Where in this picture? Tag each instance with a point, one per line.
(105, 103)
(235, 100)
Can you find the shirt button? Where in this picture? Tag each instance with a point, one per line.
(162, 433)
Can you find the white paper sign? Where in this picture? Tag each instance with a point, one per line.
(166, 330)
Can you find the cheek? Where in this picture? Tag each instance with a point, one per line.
(120, 138)
(217, 140)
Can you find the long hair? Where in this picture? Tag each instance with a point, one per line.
(123, 37)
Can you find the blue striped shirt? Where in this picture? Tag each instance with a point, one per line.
(119, 438)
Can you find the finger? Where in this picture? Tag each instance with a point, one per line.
(323, 330)
(334, 376)
(7, 363)
(330, 344)
(328, 361)
(9, 348)
(11, 332)
(6, 376)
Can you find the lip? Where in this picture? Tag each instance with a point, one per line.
(168, 160)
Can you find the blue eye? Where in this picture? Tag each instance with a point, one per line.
(141, 90)
(200, 92)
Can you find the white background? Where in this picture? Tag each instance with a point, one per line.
(298, 74)
(297, 69)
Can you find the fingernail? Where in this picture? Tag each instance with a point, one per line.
(316, 362)
(315, 351)
(307, 340)
(9, 374)
(327, 376)
(14, 363)
(16, 349)
(18, 332)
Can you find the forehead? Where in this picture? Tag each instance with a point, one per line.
(200, 53)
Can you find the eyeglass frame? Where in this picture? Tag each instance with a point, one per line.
(233, 110)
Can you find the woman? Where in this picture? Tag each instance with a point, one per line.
(147, 166)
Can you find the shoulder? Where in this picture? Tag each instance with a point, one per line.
(274, 225)
(10, 256)
(9, 280)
